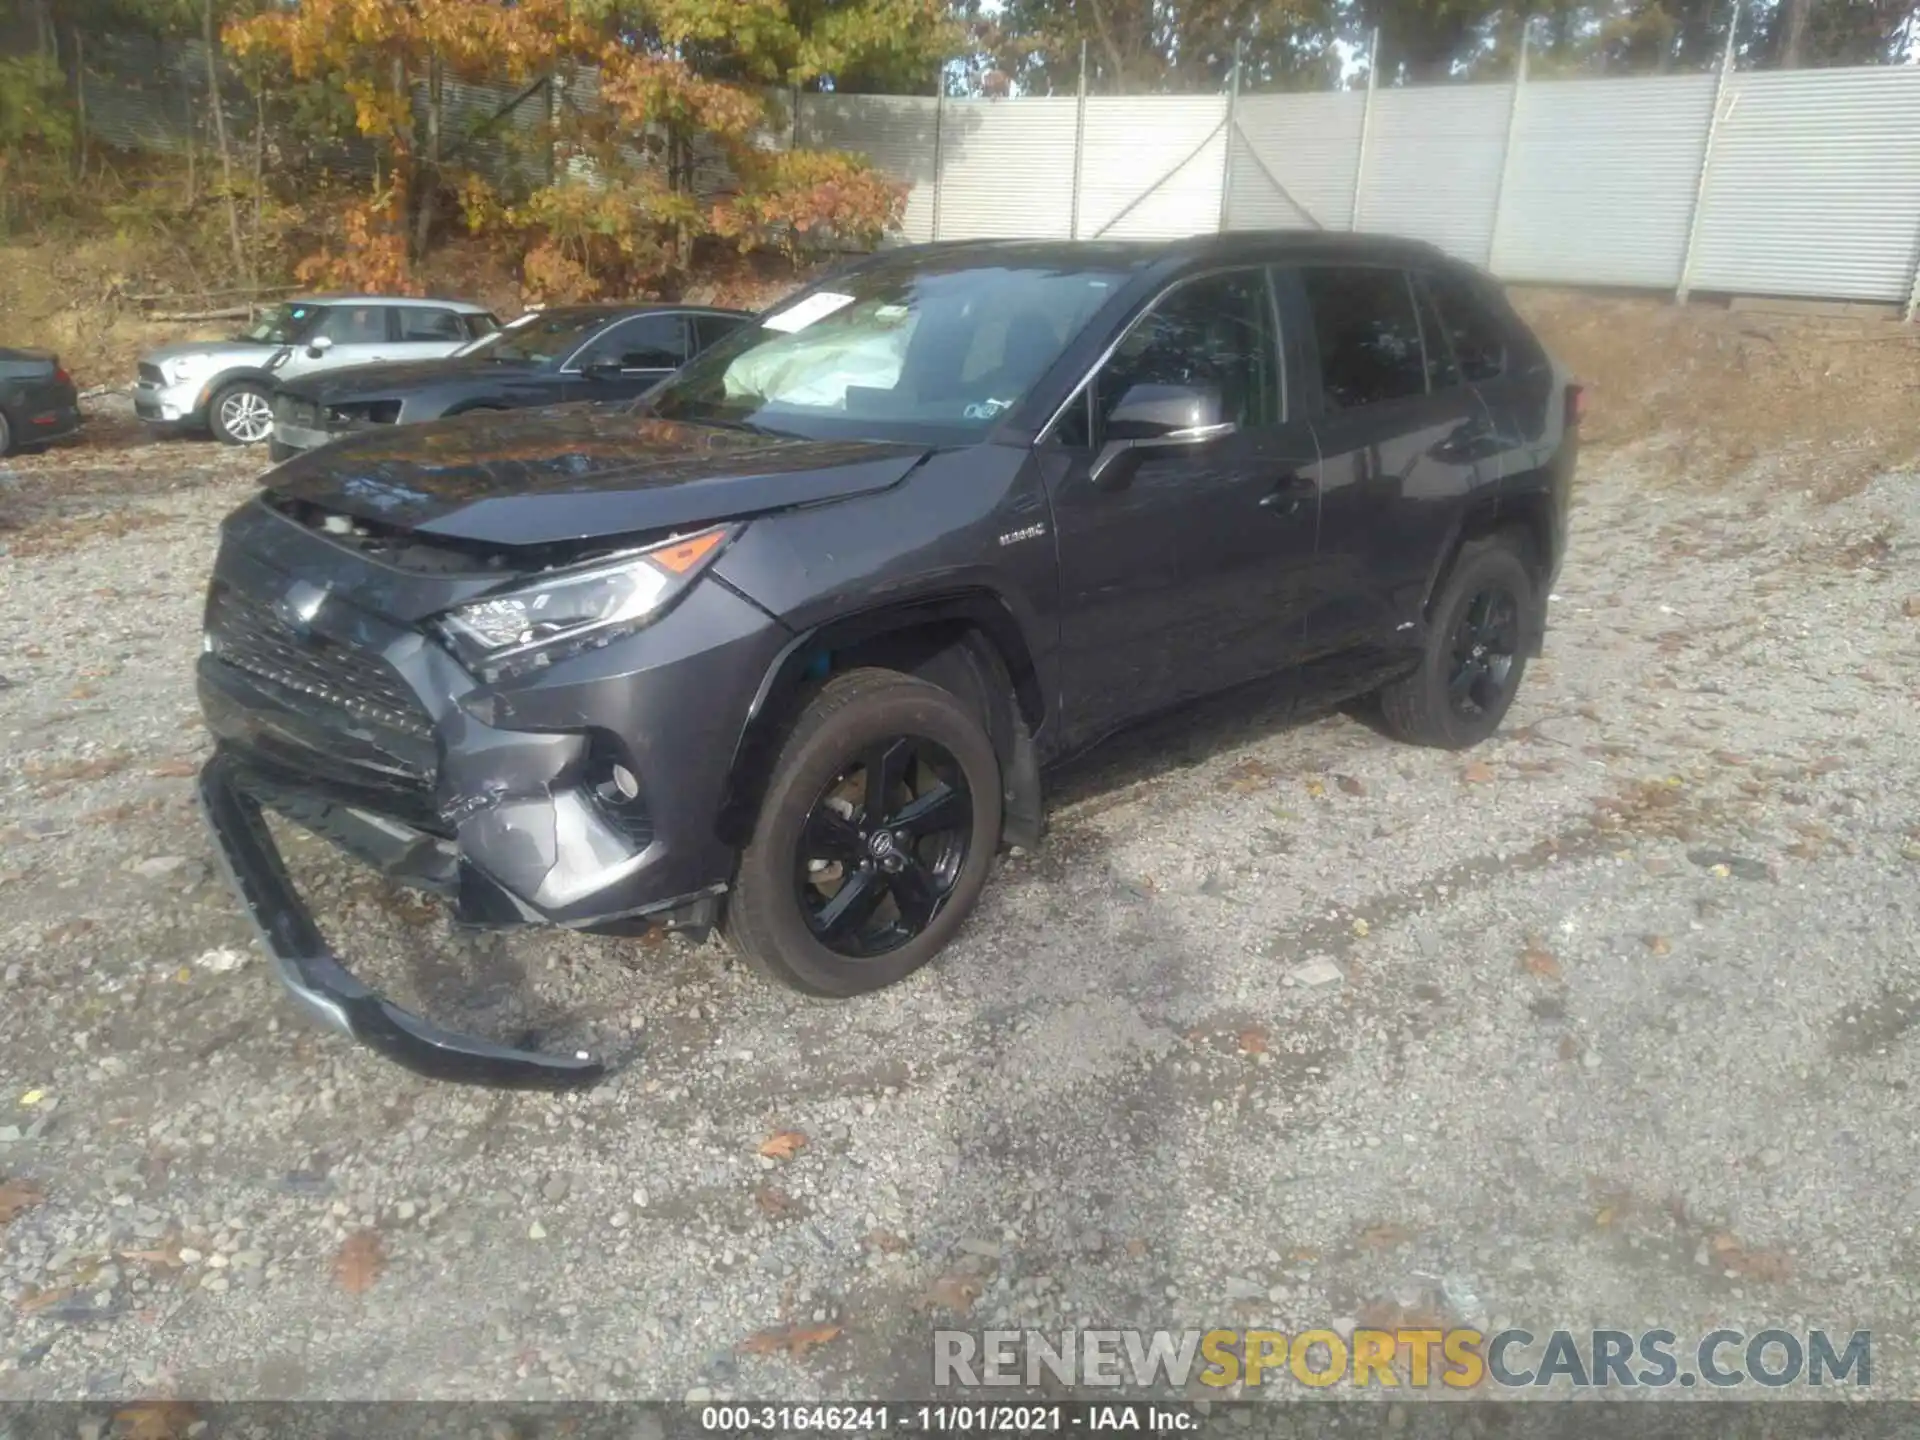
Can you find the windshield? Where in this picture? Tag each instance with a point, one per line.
(894, 351)
(542, 338)
(281, 324)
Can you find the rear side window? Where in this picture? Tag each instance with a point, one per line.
(480, 326)
(418, 323)
(714, 328)
(1479, 339)
(1368, 334)
(649, 342)
(354, 324)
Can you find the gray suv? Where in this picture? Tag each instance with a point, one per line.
(226, 386)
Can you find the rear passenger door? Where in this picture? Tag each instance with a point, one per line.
(1403, 443)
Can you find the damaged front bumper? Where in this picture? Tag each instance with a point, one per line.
(323, 988)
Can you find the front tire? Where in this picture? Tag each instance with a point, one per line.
(874, 839)
(241, 414)
(6, 435)
(1475, 652)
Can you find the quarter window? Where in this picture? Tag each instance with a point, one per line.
(1479, 340)
(1367, 332)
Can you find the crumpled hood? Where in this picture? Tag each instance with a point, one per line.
(392, 377)
(576, 472)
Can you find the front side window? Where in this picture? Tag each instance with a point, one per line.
(1368, 334)
(355, 324)
(648, 342)
(541, 338)
(900, 349)
(1479, 340)
(281, 325)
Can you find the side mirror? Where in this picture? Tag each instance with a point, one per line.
(1154, 417)
(319, 346)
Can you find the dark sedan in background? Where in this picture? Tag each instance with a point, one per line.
(550, 357)
(37, 399)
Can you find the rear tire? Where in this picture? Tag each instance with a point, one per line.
(874, 839)
(1475, 652)
(241, 414)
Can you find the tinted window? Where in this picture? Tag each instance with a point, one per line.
(1479, 340)
(713, 328)
(651, 342)
(1217, 333)
(355, 324)
(540, 337)
(417, 323)
(479, 325)
(1369, 337)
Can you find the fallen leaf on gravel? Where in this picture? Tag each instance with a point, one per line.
(1253, 1040)
(359, 1263)
(1536, 961)
(1385, 1236)
(1569, 1048)
(886, 1242)
(83, 692)
(1658, 944)
(67, 930)
(1136, 1248)
(180, 769)
(795, 1341)
(783, 1144)
(1768, 1266)
(38, 1300)
(1350, 784)
(98, 768)
(166, 1257)
(772, 1201)
(17, 1197)
(954, 1291)
(154, 1420)
(1316, 789)
(1477, 773)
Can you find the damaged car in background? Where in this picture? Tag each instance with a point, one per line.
(784, 647)
(548, 357)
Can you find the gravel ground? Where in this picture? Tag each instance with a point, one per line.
(1608, 1022)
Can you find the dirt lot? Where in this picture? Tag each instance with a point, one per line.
(1608, 1023)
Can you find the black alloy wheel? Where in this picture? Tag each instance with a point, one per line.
(1485, 644)
(882, 847)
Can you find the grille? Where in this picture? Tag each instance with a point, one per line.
(150, 373)
(250, 637)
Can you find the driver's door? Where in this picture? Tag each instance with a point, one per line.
(350, 334)
(1183, 568)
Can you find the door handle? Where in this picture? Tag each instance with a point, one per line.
(1289, 495)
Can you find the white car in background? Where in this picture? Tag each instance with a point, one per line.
(226, 386)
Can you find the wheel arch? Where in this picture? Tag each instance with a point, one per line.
(966, 641)
(1527, 517)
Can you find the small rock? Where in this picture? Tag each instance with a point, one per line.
(1771, 1159)
(1316, 973)
(1239, 1287)
(216, 1283)
(157, 865)
(536, 1231)
(985, 1249)
(9, 1134)
(698, 1395)
(406, 1210)
(222, 960)
(556, 1188)
(1591, 1060)
(190, 1256)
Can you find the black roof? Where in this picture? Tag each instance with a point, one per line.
(611, 309)
(1137, 254)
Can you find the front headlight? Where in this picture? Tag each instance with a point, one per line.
(182, 368)
(570, 611)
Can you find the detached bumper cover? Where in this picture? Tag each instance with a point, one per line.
(325, 989)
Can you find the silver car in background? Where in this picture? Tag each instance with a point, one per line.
(226, 386)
